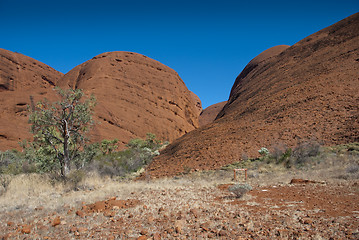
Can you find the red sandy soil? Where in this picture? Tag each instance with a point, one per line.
(135, 95)
(309, 91)
(287, 211)
(209, 114)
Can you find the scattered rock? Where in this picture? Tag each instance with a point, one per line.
(206, 226)
(306, 221)
(142, 237)
(26, 229)
(10, 224)
(56, 221)
(179, 225)
(156, 236)
(143, 232)
(301, 181)
(194, 212)
(80, 213)
(109, 213)
(223, 233)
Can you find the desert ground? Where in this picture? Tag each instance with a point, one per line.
(196, 205)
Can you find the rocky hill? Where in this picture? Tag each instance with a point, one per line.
(307, 91)
(209, 114)
(20, 78)
(135, 95)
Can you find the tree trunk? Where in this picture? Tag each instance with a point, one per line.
(66, 167)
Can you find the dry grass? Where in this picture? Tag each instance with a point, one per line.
(182, 207)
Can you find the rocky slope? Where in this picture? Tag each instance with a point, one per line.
(308, 91)
(209, 114)
(135, 95)
(20, 78)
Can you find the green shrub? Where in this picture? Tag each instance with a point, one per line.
(263, 151)
(139, 153)
(14, 162)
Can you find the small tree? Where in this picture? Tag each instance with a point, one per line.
(60, 128)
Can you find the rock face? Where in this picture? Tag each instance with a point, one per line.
(135, 95)
(20, 78)
(197, 102)
(308, 91)
(209, 114)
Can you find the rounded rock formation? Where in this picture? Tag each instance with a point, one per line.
(20, 78)
(209, 114)
(135, 95)
(308, 91)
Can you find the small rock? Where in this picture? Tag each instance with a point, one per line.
(142, 237)
(82, 229)
(179, 224)
(222, 233)
(56, 221)
(109, 213)
(206, 226)
(150, 219)
(301, 181)
(156, 236)
(10, 224)
(80, 213)
(306, 221)
(39, 208)
(194, 212)
(143, 232)
(99, 206)
(26, 229)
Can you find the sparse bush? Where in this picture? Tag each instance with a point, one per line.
(75, 177)
(303, 153)
(139, 153)
(280, 153)
(108, 146)
(263, 151)
(352, 168)
(240, 189)
(285, 157)
(4, 183)
(14, 162)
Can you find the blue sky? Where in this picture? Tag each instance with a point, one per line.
(207, 42)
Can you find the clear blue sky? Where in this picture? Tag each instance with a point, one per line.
(207, 42)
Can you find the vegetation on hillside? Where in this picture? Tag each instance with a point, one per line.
(61, 146)
(305, 155)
